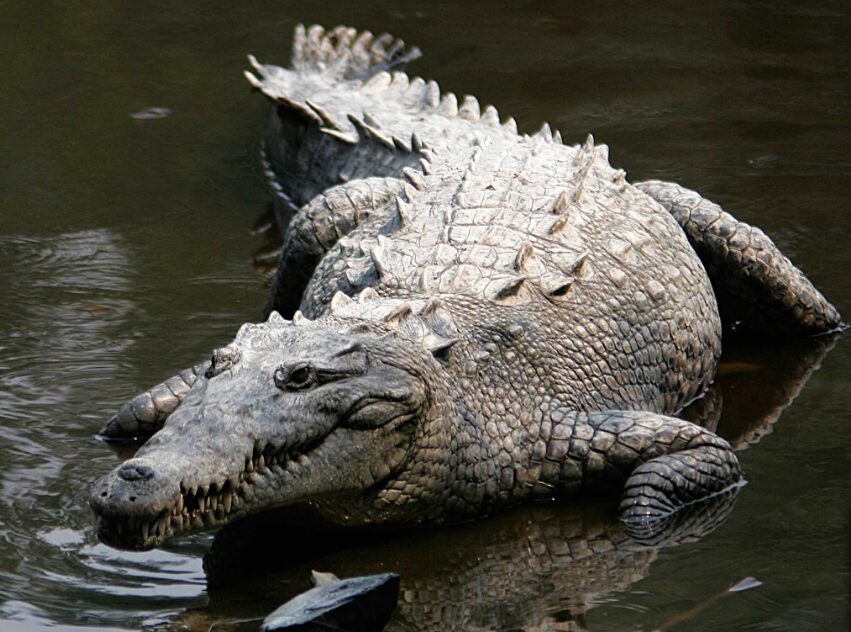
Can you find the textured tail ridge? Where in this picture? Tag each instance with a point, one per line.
(372, 63)
(343, 52)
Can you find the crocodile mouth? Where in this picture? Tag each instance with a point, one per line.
(199, 507)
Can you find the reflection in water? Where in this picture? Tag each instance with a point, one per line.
(770, 374)
(541, 567)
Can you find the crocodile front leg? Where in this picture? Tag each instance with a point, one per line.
(667, 463)
(315, 229)
(146, 413)
(752, 279)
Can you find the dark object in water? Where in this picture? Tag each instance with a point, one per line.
(357, 604)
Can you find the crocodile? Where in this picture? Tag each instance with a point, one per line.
(464, 317)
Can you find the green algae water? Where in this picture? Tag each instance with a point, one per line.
(130, 185)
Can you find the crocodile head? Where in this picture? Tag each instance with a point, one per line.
(287, 414)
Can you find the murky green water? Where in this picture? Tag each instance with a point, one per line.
(126, 252)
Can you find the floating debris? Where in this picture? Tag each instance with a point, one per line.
(151, 113)
(357, 604)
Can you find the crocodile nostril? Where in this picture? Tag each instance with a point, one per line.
(135, 472)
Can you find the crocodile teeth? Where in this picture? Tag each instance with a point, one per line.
(145, 530)
(226, 502)
(180, 504)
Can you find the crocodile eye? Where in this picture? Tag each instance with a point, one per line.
(298, 377)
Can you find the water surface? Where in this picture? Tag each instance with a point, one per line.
(129, 185)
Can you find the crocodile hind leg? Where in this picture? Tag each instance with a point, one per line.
(754, 283)
(318, 226)
(667, 464)
(146, 413)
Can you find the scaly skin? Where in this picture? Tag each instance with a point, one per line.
(508, 320)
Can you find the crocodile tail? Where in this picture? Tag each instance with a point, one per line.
(345, 53)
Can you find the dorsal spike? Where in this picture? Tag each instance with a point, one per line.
(368, 131)
(560, 224)
(508, 287)
(576, 196)
(276, 319)
(436, 343)
(300, 109)
(416, 88)
(379, 46)
(368, 294)
(431, 99)
(378, 254)
(357, 271)
(561, 203)
(448, 105)
(379, 81)
(340, 301)
(510, 124)
(398, 313)
(400, 81)
(361, 46)
(299, 319)
(314, 40)
(254, 81)
(578, 264)
(490, 116)
(523, 255)
(469, 108)
(358, 124)
(545, 132)
(401, 145)
(348, 138)
(370, 120)
(406, 211)
(340, 63)
(555, 285)
(416, 142)
(432, 306)
(426, 166)
(299, 43)
(414, 177)
(383, 138)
